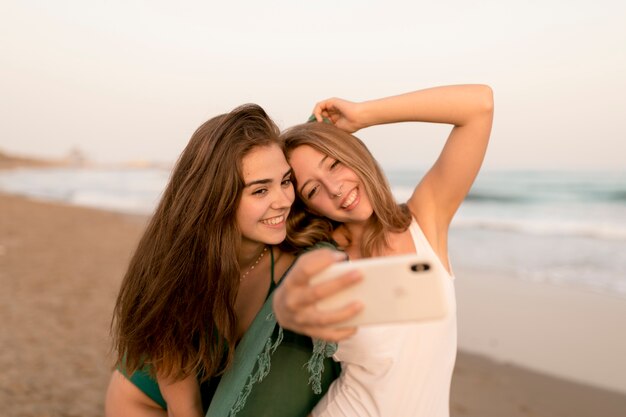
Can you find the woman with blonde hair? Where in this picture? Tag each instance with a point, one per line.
(194, 308)
(387, 370)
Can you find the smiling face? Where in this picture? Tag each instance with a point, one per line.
(267, 196)
(328, 187)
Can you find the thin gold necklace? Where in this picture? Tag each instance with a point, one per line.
(254, 264)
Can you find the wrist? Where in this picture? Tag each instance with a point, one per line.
(366, 114)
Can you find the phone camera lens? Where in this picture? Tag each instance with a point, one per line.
(420, 267)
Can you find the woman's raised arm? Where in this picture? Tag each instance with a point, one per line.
(469, 108)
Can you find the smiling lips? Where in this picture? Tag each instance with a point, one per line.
(351, 200)
(274, 221)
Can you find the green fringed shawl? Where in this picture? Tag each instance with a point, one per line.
(252, 363)
(237, 381)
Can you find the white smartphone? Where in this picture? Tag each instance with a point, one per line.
(394, 289)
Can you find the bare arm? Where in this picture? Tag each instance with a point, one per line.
(182, 396)
(468, 108)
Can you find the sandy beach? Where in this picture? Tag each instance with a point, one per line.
(60, 269)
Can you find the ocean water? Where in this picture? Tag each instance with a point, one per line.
(134, 190)
(561, 228)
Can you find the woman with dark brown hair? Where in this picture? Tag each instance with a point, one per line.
(387, 370)
(194, 304)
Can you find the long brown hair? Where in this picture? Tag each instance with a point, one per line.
(175, 309)
(307, 228)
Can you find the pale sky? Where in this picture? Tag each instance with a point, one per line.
(132, 80)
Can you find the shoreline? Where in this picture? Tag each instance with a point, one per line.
(62, 266)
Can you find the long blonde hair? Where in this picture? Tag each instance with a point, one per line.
(305, 227)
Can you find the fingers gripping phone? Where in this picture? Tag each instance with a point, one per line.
(394, 289)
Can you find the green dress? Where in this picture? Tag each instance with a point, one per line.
(275, 372)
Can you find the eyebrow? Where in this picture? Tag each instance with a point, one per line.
(265, 180)
(319, 166)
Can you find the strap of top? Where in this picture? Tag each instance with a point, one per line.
(419, 240)
(421, 243)
(272, 282)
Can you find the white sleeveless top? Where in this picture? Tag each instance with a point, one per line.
(396, 370)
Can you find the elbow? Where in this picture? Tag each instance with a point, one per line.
(485, 94)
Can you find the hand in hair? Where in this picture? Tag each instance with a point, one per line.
(295, 299)
(344, 114)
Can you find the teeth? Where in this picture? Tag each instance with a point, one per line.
(350, 199)
(274, 220)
